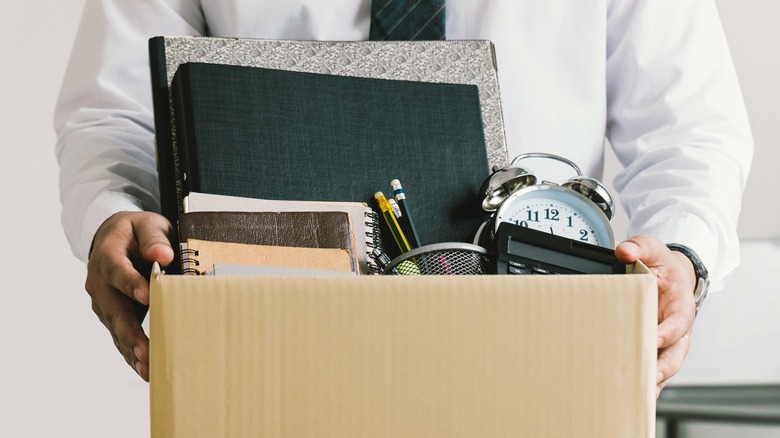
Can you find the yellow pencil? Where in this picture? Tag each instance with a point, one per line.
(392, 223)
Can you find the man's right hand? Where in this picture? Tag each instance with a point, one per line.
(124, 243)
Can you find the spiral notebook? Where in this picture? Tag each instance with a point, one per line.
(262, 237)
(199, 257)
(365, 224)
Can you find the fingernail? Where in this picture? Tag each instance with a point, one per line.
(138, 368)
(660, 341)
(659, 377)
(161, 247)
(137, 352)
(138, 294)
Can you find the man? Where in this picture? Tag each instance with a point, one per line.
(654, 77)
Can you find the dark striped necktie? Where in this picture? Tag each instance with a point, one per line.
(407, 20)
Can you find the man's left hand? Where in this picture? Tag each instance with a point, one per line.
(676, 307)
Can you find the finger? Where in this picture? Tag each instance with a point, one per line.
(660, 387)
(648, 249)
(116, 268)
(670, 360)
(676, 322)
(676, 308)
(133, 348)
(117, 313)
(109, 266)
(627, 252)
(152, 231)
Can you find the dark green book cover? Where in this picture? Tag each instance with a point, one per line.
(273, 134)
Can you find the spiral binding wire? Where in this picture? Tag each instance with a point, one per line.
(188, 259)
(373, 241)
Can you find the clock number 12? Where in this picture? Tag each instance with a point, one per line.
(549, 214)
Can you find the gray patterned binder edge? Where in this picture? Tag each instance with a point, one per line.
(451, 61)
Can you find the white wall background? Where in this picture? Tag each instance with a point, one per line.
(59, 372)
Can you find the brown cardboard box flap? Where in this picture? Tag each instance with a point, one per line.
(540, 356)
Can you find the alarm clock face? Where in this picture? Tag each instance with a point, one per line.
(559, 211)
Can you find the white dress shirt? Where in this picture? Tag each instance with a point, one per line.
(654, 77)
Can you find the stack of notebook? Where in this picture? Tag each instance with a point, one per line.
(315, 237)
(304, 240)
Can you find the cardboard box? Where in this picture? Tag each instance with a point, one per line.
(428, 356)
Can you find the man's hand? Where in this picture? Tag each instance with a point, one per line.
(676, 307)
(125, 243)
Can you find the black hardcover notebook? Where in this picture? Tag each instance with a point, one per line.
(273, 134)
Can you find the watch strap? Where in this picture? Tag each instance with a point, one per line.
(702, 275)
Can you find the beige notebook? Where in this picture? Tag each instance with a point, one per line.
(199, 256)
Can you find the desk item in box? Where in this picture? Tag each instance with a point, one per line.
(255, 233)
(362, 218)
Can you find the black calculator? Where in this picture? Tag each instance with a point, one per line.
(525, 251)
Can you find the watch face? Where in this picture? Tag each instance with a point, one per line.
(559, 211)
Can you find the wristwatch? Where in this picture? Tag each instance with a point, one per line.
(702, 276)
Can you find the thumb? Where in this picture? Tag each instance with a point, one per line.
(648, 249)
(152, 231)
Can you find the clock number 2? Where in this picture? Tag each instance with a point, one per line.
(584, 235)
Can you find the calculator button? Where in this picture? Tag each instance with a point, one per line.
(516, 264)
(541, 271)
(516, 271)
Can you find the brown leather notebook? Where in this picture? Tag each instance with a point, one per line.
(301, 229)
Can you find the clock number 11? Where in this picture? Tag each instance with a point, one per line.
(549, 214)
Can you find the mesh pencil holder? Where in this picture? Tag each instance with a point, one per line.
(452, 258)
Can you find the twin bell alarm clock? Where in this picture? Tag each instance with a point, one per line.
(579, 209)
